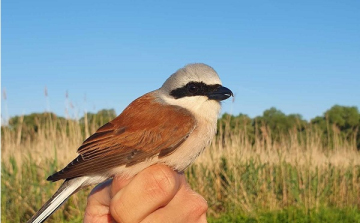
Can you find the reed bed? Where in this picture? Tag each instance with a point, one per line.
(293, 179)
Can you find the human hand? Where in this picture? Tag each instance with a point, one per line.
(156, 194)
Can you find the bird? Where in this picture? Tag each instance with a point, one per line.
(171, 125)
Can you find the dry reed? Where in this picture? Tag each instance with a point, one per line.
(235, 174)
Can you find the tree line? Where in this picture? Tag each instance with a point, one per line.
(338, 121)
(343, 121)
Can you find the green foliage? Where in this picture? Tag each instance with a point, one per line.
(23, 191)
(279, 123)
(294, 215)
(252, 191)
(274, 124)
(238, 187)
(346, 118)
(339, 119)
(240, 124)
(101, 117)
(28, 125)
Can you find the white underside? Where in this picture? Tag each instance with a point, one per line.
(206, 114)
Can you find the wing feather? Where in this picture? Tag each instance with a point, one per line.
(143, 130)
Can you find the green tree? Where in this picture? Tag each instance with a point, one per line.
(344, 119)
(237, 123)
(101, 117)
(279, 124)
(28, 125)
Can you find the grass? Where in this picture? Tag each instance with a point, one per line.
(293, 215)
(295, 179)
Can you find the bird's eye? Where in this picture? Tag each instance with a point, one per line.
(192, 88)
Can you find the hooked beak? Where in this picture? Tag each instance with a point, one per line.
(220, 94)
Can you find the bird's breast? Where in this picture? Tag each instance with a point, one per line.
(191, 148)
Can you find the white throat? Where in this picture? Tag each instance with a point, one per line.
(200, 106)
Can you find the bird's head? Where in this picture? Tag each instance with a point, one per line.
(197, 88)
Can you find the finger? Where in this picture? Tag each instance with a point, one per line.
(148, 191)
(100, 195)
(118, 183)
(186, 206)
(97, 208)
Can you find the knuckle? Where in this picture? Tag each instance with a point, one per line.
(162, 182)
(199, 206)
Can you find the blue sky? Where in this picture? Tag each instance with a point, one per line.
(300, 57)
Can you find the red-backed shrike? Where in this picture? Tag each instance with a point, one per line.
(171, 125)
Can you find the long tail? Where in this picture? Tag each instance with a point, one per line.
(68, 188)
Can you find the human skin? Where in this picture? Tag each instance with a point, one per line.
(156, 194)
